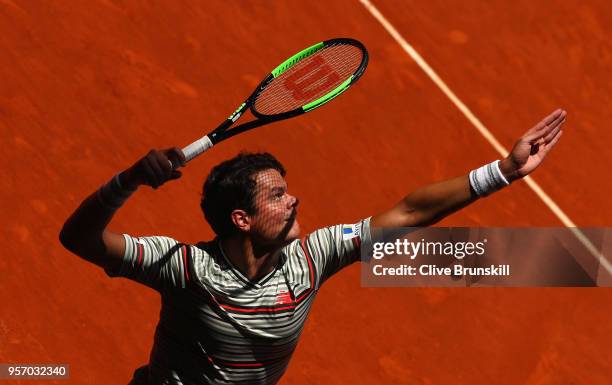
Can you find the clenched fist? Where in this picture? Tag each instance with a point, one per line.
(154, 169)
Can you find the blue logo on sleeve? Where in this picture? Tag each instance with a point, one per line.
(351, 231)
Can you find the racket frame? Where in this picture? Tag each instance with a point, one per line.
(222, 133)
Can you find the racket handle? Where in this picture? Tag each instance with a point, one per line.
(197, 147)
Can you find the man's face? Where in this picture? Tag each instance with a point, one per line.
(274, 221)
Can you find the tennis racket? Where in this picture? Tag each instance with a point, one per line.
(305, 81)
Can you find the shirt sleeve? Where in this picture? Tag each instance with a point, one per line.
(158, 262)
(334, 247)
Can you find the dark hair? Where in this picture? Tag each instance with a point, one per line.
(231, 185)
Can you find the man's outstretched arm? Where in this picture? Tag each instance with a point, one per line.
(430, 204)
(85, 233)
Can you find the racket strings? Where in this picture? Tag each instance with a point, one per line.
(309, 79)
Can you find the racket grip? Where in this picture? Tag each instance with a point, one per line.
(197, 147)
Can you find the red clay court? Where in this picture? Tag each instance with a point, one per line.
(86, 88)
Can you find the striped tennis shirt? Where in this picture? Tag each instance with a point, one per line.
(218, 327)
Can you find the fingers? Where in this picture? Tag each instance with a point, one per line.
(553, 141)
(554, 132)
(544, 122)
(553, 116)
(546, 126)
(176, 157)
(148, 175)
(157, 166)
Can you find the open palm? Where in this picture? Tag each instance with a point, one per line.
(531, 149)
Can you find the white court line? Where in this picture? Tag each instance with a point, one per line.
(485, 132)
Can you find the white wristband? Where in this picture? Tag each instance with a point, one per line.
(487, 179)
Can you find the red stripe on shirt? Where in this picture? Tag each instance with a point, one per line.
(140, 252)
(265, 309)
(356, 251)
(185, 265)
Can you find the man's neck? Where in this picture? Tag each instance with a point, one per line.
(253, 262)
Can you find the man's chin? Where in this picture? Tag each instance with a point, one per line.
(295, 231)
(293, 234)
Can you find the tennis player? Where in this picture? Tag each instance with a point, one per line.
(233, 308)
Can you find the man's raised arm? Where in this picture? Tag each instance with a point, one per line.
(85, 233)
(430, 204)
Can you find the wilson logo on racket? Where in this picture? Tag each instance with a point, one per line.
(317, 69)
